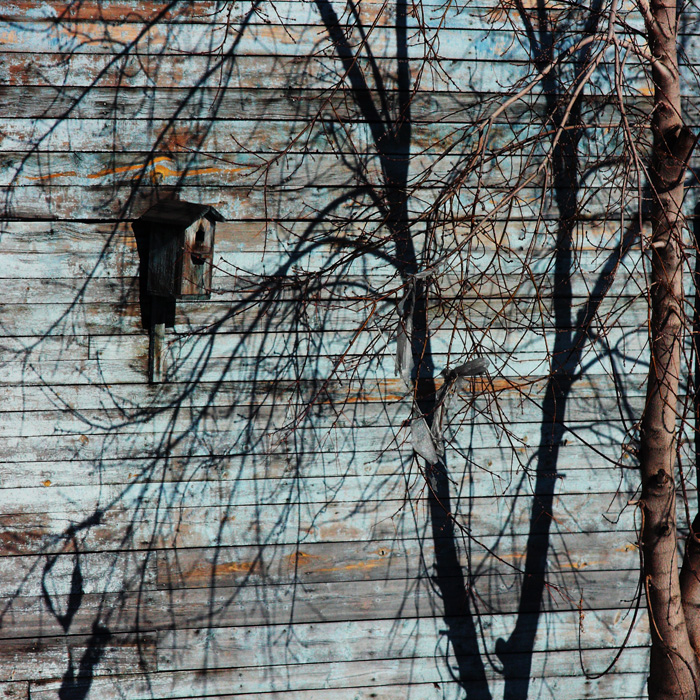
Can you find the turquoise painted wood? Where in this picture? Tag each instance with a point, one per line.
(258, 525)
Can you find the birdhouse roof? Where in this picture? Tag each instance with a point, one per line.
(179, 214)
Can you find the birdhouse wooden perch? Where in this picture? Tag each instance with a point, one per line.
(176, 247)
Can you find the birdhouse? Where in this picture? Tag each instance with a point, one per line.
(180, 247)
(175, 241)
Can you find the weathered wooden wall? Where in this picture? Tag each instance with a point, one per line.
(256, 525)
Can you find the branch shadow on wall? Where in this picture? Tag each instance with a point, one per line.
(280, 441)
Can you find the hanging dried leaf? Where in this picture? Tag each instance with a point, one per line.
(470, 368)
(404, 356)
(422, 440)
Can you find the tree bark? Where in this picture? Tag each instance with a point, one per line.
(673, 670)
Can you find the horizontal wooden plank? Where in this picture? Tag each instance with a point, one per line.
(467, 42)
(146, 490)
(383, 639)
(186, 526)
(298, 440)
(141, 397)
(50, 657)
(322, 677)
(105, 246)
(28, 617)
(313, 72)
(259, 357)
(14, 690)
(129, 200)
(291, 171)
(388, 599)
(197, 71)
(450, 344)
(223, 136)
(141, 11)
(286, 11)
(260, 314)
(275, 235)
(280, 414)
(394, 599)
(123, 102)
(55, 576)
(259, 369)
(500, 463)
(382, 559)
(617, 687)
(236, 288)
(427, 104)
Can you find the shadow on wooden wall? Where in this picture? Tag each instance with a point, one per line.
(304, 504)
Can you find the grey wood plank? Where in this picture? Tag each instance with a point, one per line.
(16, 690)
(590, 389)
(619, 689)
(259, 319)
(382, 559)
(236, 490)
(221, 440)
(458, 106)
(188, 526)
(50, 657)
(54, 576)
(135, 611)
(210, 38)
(372, 676)
(333, 641)
(195, 71)
(120, 200)
(287, 12)
(277, 418)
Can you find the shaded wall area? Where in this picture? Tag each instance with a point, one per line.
(257, 525)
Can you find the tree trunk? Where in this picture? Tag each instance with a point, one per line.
(674, 667)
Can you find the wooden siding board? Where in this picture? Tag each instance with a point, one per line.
(142, 610)
(490, 14)
(261, 320)
(219, 444)
(236, 646)
(381, 559)
(523, 395)
(14, 690)
(278, 418)
(275, 238)
(211, 468)
(213, 134)
(206, 528)
(298, 488)
(290, 563)
(403, 673)
(273, 39)
(302, 565)
(47, 658)
(194, 71)
(272, 103)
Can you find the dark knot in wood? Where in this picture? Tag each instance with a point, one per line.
(659, 480)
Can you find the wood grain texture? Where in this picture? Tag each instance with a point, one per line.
(257, 526)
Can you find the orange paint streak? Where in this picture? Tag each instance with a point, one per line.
(67, 173)
(363, 566)
(159, 167)
(203, 571)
